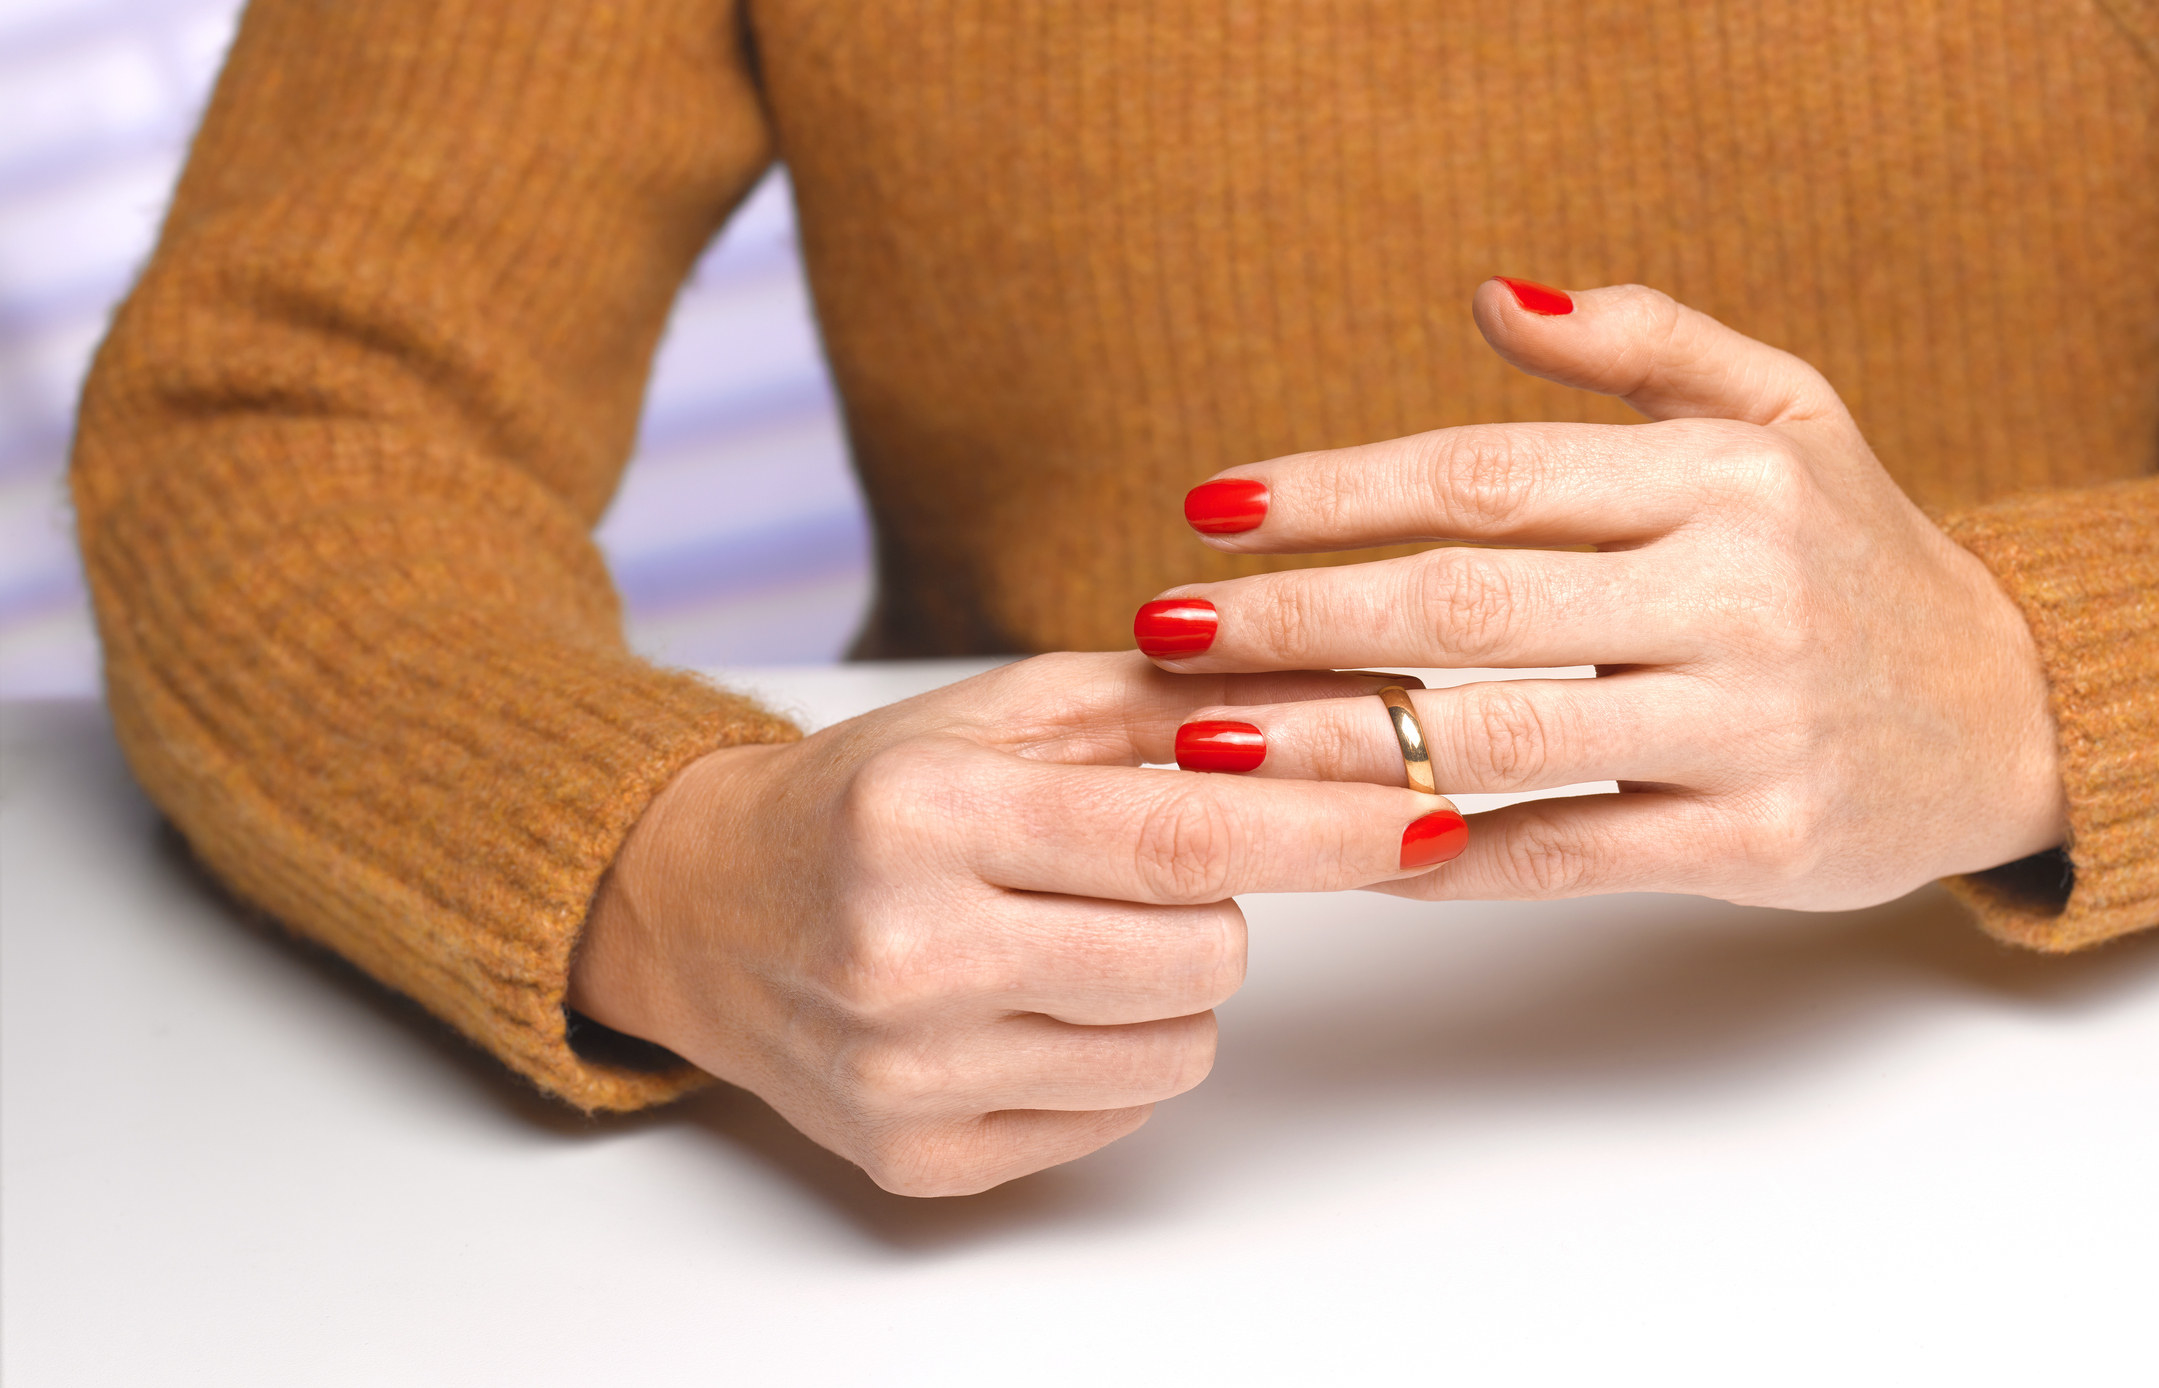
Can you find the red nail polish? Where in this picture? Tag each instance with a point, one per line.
(1438, 836)
(1173, 627)
(1226, 506)
(1538, 298)
(1214, 745)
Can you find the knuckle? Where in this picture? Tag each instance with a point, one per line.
(1222, 955)
(1335, 753)
(882, 1079)
(1183, 969)
(1660, 314)
(1056, 669)
(897, 1177)
(1652, 321)
(883, 965)
(902, 806)
(1334, 490)
(1485, 479)
(1771, 613)
(888, 788)
(1183, 849)
(1546, 860)
(1784, 836)
(1190, 1063)
(1210, 966)
(1470, 599)
(1507, 739)
(924, 1163)
(1760, 470)
(879, 975)
(1175, 1057)
(1284, 616)
(1050, 691)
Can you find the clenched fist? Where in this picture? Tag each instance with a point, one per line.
(968, 936)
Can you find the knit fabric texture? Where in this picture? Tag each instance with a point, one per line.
(341, 454)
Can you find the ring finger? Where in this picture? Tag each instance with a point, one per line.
(1485, 738)
(1028, 1061)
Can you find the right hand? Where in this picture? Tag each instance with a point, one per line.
(968, 936)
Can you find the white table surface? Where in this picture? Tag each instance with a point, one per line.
(1635, 1139)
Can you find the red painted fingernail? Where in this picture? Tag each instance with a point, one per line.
(1538, 298)
(1226, 506)
(1438, 836)
(1213, 745)
(1172, 627)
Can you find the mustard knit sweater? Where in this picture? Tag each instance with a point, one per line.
(340, 458)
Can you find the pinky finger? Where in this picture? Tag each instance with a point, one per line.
(1587, 845)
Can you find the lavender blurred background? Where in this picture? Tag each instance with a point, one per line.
(738, 536)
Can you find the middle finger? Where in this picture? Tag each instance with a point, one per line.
(1091, 962)
(1453, 608)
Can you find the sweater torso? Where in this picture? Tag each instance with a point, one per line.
(1071, 259)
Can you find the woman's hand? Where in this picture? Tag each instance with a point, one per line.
(969, 935)
(1808, 694)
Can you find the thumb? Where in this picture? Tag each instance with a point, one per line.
(1658, 355)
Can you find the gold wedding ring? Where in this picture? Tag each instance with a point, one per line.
(1416, 760)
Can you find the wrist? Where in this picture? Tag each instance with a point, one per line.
(658, 894)
(2024, 742)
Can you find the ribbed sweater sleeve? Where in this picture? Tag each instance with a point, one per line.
(339, 460)
(2083, 565)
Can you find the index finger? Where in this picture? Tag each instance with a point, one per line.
(1173, 837)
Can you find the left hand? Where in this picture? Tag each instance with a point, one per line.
(1808, 694)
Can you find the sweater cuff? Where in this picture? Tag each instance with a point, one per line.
(405, 738)
(2083, 567)
(474, 912)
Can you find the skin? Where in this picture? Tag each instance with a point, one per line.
(1809, 695)
(968, 936)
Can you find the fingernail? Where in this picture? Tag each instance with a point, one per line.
(1213, 745)
(1438, 836)
(1174, 627)
(1538, 298)
(1226, 506)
